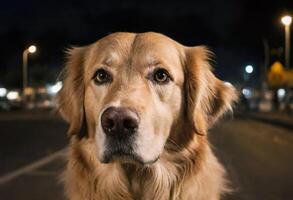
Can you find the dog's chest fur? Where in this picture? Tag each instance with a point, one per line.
(161, 181)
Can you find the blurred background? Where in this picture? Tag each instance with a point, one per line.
(251, 41)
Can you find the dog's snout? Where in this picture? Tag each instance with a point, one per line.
(119, 121)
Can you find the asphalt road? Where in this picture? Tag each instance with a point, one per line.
(258, 157)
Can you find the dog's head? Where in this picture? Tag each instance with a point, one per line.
(133, 92)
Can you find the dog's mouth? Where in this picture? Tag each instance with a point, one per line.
(124, 157)
(121, 156)
(123, 151)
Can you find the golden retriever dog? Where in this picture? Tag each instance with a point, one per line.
(139, 108)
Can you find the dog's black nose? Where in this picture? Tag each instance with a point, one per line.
(119, 121)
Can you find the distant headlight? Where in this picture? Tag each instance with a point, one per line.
(3, 92)
(12, 95)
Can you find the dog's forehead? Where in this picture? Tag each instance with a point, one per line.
(152, 48)
(147, 48)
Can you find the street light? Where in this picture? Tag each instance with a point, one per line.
(249, 69)
(26, 52)
(32, 49)
(286, 20)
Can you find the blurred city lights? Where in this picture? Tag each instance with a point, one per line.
(246, 92)
(55, 88)
(249, 69)
(12, 95)
(286, 20)
(281, 93)
(3, 92)
(32, 49)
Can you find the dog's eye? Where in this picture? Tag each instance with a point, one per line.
(102, 76)
(161, 76)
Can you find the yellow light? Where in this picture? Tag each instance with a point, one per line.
(277, 68)
(286, 20)
(32, 49)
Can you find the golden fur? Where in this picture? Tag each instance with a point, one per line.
(186, 168)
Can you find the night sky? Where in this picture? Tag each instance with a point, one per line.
(233, 29)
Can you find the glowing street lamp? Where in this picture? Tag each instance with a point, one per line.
(287, 20)
(249, 69)
(32, 49)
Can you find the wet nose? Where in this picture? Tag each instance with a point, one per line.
(119, 122)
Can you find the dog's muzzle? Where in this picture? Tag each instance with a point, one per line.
(120, 126)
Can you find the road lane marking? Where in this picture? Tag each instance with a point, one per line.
(32, 166)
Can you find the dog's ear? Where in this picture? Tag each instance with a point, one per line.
(207, 97)
(70, 99)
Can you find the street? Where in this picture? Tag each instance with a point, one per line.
(258, 157)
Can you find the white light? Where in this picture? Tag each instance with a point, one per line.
(3, 92)
(286, 20)
(249, 69)
(281, 93)
(32, 49)
(246, 92)
(55, 88)
(228, 83)
(12, 95)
